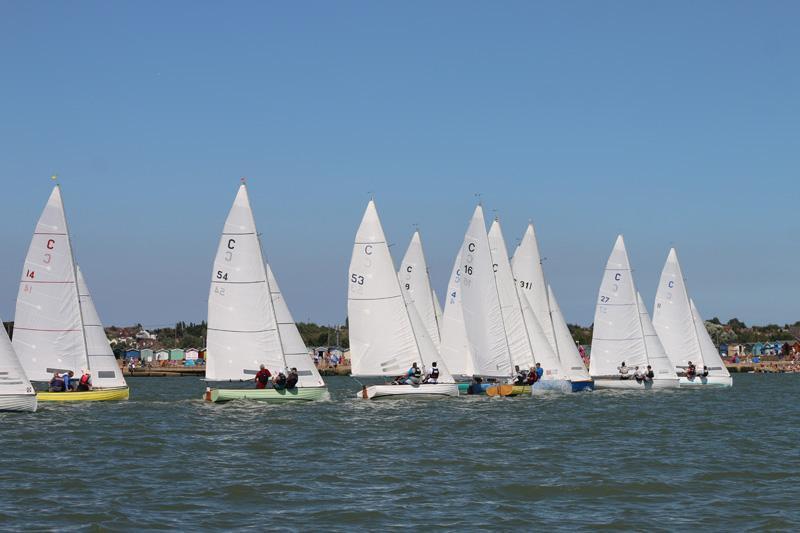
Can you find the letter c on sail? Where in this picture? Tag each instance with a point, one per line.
(408, 268)
(368, 249)
(51, 244)
(671, 284)
(617, 276)
(471, 247)
(231, 242)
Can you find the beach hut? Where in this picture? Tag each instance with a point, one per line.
(176, 354)
(202, 353)
(191, 354)
(162, 355)
(723, 350)
(132, 354)
(734, 350)
(147, 355)
(758, 348)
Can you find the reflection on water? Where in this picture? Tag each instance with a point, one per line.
(719, 459)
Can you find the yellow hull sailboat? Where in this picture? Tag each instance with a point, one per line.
(96, 395)
(57, 329)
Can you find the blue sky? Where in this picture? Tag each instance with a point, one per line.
(674, 123)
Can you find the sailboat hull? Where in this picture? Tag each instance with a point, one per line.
(708, 381)
(95, 395)
(426, 391)
(18, 402)
(583, 385)
(632, 384)
(299, 394)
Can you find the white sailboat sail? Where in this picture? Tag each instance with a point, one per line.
(516, 329)
(710, 355)
(656, 355)
(437, 307)
(106, 372)
(416, 285)
(48, 331)
(480, 303)
(294, 349)
(672, 316)
(455, 347)
(242, 330)
(618, 335)
(13, 380)
(543, 353)
(570, 358)
(386, 334)
(529, 274)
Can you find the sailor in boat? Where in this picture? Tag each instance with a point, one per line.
(705, 371)
(280, 381)
(85, 383)
(69, 383)
(520, 377)
(533, 376)
(56, 383)
(475, 387)
(691, 371)
(649, 375)
(433, 375)
(262, 377)
(412, 377)
(292, 379)
(539, 371)
(623, 371)
(638, 375)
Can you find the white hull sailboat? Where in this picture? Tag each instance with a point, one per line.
(387, 334)
(57, 328)
(552, 328)
(683, 331)
(249, 323)
(16, 392)
(623, 332)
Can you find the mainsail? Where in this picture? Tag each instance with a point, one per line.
(57, 327)
(516, 329)
(387, 334)
(48, 330)
(480, 307)
(242, 326)
(416, 285)
(618, 335)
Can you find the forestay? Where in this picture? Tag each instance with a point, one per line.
(12, 377)
(48, 333)
(570, 358)
(516, 330)
(618, 335)
(106, 372)
(383, 340)
(294, 349)
(416, 286)
(242, 330)
(481, 304)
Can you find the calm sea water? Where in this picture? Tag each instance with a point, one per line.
(669, 460)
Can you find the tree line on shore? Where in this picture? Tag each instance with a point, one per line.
(191, 334)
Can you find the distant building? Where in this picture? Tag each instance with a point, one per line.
(162, 355)
(191, 354)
